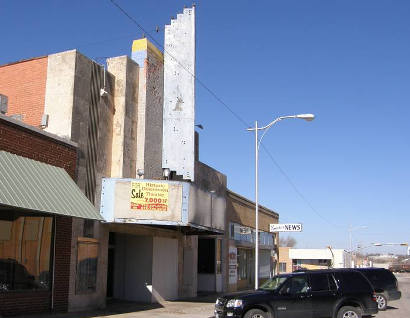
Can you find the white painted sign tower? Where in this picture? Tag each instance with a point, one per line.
(178, 153)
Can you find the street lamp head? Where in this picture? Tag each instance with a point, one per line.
(377, 244)
(307, 117)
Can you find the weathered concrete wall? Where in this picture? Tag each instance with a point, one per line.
(189, 280)
(59, 94)
(92, 125)
(179, 95)
(209, 179)
(78, 112)
(153, 117)
(124, 143)
(150, 108)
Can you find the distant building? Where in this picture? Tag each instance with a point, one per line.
(291, 259)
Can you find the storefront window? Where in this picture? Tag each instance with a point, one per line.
(25, 252)
(245, 263)
(282, 267)
(246, 234)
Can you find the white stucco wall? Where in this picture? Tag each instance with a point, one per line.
(340, 259)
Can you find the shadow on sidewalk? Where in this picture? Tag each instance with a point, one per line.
(206, 298)
(114, 307)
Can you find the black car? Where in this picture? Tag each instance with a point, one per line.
(384, 283)
(310, 294)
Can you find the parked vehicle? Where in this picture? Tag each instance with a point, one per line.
(333, 293)
(384, 283)
(400, 268)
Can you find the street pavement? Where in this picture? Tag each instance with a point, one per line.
(203, 307)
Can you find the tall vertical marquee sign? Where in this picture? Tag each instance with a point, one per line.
(178, 149)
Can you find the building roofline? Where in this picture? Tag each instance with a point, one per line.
(24, 60)
(33, 129)
(244, 200)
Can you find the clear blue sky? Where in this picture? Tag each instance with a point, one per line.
(346, 61)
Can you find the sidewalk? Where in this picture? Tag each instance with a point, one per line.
(201, 307)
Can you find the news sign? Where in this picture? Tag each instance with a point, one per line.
(296, 227)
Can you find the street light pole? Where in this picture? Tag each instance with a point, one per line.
(258, 141)
(351, 229)
(256, 208)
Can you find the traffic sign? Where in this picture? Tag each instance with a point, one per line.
(293, 227)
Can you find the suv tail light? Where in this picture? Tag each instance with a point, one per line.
(374, 298)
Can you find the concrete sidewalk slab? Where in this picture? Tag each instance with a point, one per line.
(202, 307)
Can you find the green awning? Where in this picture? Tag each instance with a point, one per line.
(33, 185)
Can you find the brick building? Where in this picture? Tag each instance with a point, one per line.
(24, 84)
(285, 263)
(37, 168)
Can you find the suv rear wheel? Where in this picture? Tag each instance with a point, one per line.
(381, 301)
(349, 312)
(256, 313)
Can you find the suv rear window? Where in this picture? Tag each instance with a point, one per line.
(322, 282)
(380, 278)
(354, 282)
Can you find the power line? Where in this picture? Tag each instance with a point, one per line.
(292, 184)
(210, 91)
(239, 118)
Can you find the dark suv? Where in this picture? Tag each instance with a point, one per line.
(310, 294)
(384, 283)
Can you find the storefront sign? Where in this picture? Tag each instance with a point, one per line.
(233, 273)
(285, 227)
(244, 230)
(149, 196)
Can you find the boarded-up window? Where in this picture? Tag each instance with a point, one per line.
(88, 229)
(87, 259)
(25, 252)
(5, 230)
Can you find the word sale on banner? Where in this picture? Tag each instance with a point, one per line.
(149, 196)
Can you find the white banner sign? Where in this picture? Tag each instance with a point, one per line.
(285, 227)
